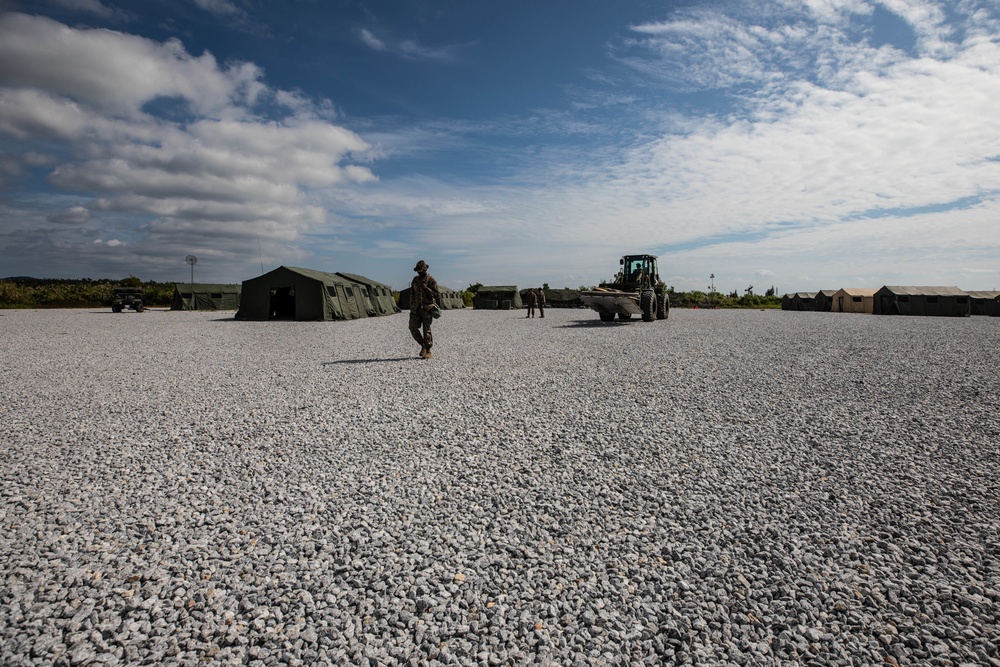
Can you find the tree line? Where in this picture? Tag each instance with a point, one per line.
(80, 293)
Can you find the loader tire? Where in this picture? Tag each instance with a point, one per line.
(647, 304)
(662, 307)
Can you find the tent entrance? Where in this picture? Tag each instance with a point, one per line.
(283, 303)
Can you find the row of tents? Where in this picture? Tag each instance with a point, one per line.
(508, 297)
(897, 300)
(290, 293)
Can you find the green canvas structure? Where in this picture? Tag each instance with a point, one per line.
(985, 303)
(450, 299)
(921, 300)
(563, 298)
(498, 297)
(205, 296)
(824, 300)
(557, 298)
(801, 301)
(289, 293)
(379, 296)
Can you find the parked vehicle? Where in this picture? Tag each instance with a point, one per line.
(127, 297)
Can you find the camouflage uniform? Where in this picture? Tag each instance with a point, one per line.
(424, 300)
(530, 299)
(541, 302)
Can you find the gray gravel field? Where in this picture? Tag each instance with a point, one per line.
(722, 488)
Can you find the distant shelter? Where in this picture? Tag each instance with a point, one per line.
(985, 303)
(205, 296)
(933, 301)
(853, 300)
(498, 297)
(450, 299)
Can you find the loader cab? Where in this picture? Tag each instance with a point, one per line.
(639, 268)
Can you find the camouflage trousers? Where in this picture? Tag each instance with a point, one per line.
(421, 320)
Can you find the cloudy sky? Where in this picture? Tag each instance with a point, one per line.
(803, 144)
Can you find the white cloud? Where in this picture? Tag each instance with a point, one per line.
(371, 40)
(116, 73)
(74, 215)
(220, 7)
(407, 48)
(224, 171)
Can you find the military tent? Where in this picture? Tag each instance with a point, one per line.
(205, 296)
(985, 303)
(289, 293)
(562, 298)
(921, 300)
(378, 297)
(824, 300)
(498, 297)
(802, 301)
(787, 301)
(450, 299)
(853, 300)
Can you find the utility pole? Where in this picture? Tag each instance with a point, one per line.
(712, 286)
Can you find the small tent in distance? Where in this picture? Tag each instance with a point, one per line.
(290, 293)
(205, 296)
(450, 299)
(985, 303)
(498, 297)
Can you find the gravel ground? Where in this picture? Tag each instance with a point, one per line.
(723, 488)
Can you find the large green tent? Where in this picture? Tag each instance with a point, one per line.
(498, 297)
(205, 296)
(289, 293)
(920, 300)
(378, 295)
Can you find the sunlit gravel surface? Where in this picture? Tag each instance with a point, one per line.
(721, 488)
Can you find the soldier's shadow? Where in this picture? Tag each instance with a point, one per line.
(370, 361)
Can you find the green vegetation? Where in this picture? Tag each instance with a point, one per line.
(84, 293)
(697, 299)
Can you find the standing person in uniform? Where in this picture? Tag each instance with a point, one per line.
(530, 299)
(423, 307)
(541, 302)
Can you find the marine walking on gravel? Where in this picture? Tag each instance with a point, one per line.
(423, 308)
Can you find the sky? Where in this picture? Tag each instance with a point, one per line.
(794, 144)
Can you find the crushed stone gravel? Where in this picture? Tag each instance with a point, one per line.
(721, 488)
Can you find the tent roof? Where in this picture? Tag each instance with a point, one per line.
(321, 276)
(361, 279)
(826, 292)
(498, 288)
(916, 290)
(857, 291)
(984, 295)
(806, 295)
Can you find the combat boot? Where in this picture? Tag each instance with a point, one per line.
(424, 352)
(428, 355)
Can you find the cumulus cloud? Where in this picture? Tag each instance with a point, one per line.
(223, 169)
(74, 215)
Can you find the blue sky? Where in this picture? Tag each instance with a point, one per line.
(807, 145)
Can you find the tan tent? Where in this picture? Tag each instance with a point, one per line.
(853, 300)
